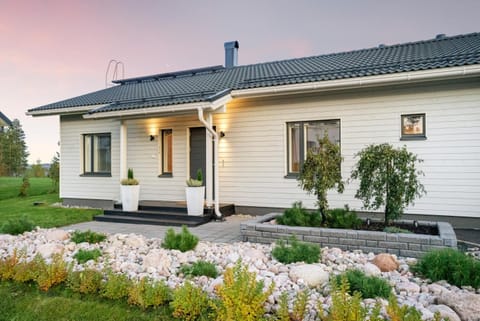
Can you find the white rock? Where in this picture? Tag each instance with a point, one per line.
(311, 274)
(47, 250)
(158, 259)
(436, 289)
(135, 241)
(371, 269)
(408, 287)
(56, 235)
(466, 305)
(445, 312)
(255, 255)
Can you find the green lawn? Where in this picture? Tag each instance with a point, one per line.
(10, 186)
(43, 215)
(25, 302)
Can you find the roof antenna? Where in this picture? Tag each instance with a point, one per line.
(115, 64)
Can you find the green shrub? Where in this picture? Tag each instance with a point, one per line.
(87, 236)
(190, 303)
(86, 282)
(8, 264)
(83, 256)
(183, 241)
(24, 187)
(17, 226)
(299, 216)
(200, 268)
(299, 307)
(28, 271)
(147, 293)
(367, 286)
(241, 296)
(450, 265)
(116, 286)
(395, 229)
(343, 218)
(296, 251)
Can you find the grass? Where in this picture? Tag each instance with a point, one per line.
(13, 207)
(25, 302)
(10, 186)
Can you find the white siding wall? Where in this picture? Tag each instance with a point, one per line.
(253, 153)
(72, 184)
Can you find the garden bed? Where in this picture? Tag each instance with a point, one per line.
(260, 230)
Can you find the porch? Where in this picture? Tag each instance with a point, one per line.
(162, 213)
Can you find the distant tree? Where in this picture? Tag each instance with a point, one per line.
(14, 152)
(54, 172)
(25, 186)
(37, 170)
(388, 177)
(321, 171)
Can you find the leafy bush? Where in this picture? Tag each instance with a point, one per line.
(183, 241)
(147, 293)
(242, 297)
(116, 286)
(299, 307)
(53, 273)
(83, 256)
(450, 265)
(299, 216)
(367, 286)
(17, 226)
(87, 236)
(296, 251)
(389, 178)
(190, 303)
(87, 282)
(343, 218)
(200, 268)
(25, 186)
(8, 264)
(191, 182)
(27, 271)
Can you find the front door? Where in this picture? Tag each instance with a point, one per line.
(198, 159)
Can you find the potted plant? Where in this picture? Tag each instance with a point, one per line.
(195, 194)
(130, 191)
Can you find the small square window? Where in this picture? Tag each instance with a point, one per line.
(413, 127)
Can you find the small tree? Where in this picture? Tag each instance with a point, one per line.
(321, 171)
(54, 172)
(388, 177)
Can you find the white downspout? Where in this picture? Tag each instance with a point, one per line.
(215, 160)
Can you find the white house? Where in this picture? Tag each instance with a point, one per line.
(262, 118)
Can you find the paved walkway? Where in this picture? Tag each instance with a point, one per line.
(221, 232)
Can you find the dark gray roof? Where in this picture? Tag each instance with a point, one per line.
(206, 84)
(5, 119)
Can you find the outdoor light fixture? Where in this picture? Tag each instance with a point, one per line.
(368, 222)
(222, 134)
(415, 223)
(152, 138)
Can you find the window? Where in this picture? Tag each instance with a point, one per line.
(303, 136)
(167, 155)
(413, 127)
(97, 154)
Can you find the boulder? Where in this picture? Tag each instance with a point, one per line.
(159, 260)
(134, 241)
(466, 305)
(56, 235)
(409, 287)
(385, 262)
(47, 250)
(254, 255)
(445, 312)
(371, 269)
(312, 275)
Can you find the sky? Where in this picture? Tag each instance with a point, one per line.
(52, 50)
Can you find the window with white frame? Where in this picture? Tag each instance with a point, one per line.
(97, 156)
(167, 152)
(303, 136)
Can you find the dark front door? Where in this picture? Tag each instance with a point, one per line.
(197, 151)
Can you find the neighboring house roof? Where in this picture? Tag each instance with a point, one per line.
(4, 121)
(210, 83)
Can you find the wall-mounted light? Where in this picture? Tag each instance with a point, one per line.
(152, 138)
(222, 134)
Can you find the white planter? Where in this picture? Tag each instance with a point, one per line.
(195, 200)
(130, 194)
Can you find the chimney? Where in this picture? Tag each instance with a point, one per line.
(231, 54)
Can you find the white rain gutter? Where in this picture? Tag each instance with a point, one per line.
(361, 82)
(59, 111)
(209, 127)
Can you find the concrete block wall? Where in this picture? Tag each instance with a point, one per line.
(402, 244)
